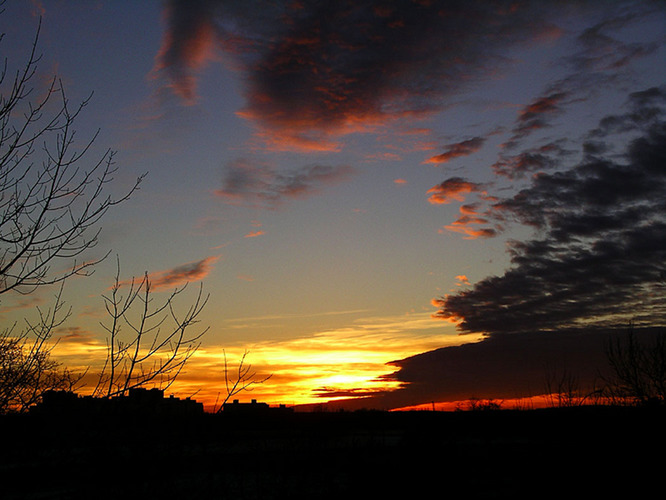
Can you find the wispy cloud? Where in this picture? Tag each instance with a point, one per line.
(458, 149)
(261, 185)
(602, 50)
(537, 159)
(467, 225)
(536, 116)
(76, 335)
(188, 44)
(180, 275)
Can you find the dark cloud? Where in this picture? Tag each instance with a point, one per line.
(329, 393)
(319, 68)
(183, 274)
(600, 246)
(260, 185)
(458, 149)
(501, 367)
(602, 48)
(76, 334)
(187, 45)
(536, 159)
(537, 115)
(645, 107)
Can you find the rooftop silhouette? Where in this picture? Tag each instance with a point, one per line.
(253, 408)
(138, 400)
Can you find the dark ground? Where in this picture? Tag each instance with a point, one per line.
(589, 452)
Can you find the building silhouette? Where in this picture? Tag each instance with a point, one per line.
(253, 408)
(138, 400)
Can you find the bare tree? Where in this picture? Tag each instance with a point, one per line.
(26, 367)
(243, 380)
(51, 205)
(148, 342)
(638, 370)
(475, 404)
(563, 389)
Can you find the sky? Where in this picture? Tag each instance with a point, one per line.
(389, 204)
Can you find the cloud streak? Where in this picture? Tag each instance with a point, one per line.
(458, 149)
(260, 185)
(183, 274)
(532, 160)
(188, 44)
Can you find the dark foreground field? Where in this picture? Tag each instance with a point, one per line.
(595, 452)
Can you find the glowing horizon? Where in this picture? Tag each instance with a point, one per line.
(306, 370)
(400, 202)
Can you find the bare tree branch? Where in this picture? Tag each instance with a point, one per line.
(50, 205)
(26, 367)
(148, 342)
(243, 380)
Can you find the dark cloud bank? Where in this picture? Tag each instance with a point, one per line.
(600, 248)
(597, 263)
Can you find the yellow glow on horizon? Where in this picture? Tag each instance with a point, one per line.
(339, 363)
(316, 368)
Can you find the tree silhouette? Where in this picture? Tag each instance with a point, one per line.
(157, 343)
(50, 205)
(242, 380)
(26, 368)
(638, 370)
(52, 200)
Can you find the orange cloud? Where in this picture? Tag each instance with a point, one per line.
(439, 303)
(545, 104)
(254, 234)
(463, 279)
(452, 189)
(287, 137)
(470, 209)
(455, 150)
(463, 226)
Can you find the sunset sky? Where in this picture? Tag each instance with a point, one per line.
(407, 201)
